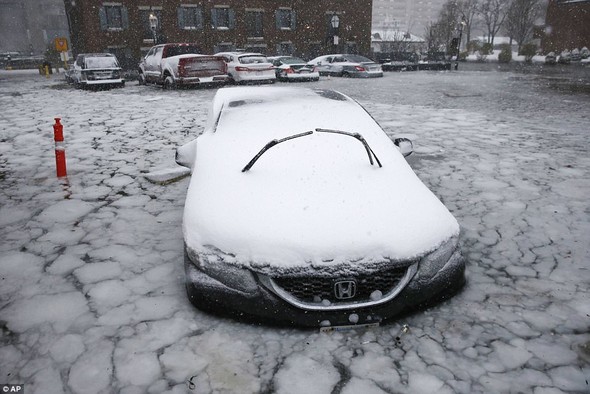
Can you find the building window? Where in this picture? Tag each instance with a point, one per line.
(285, 48)
(224, 47)
(285, 18)
(113, 17)
(223, 18)
(254, 25)
(190, 17)
(258, 48)
(146, 30)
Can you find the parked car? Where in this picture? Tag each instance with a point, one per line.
(96, 70)
(551, 58)
(345, 65)
(290, 68)
(248, 67)
(181, 64)
(301, 210)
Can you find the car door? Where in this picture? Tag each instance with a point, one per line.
(337, 64)
(323, 64)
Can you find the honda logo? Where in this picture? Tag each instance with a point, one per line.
(345, 289)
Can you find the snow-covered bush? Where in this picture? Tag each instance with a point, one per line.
(505, 55)
(487, 49)
(585, 53)
(528, 51)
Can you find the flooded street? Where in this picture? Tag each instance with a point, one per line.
(93, 300)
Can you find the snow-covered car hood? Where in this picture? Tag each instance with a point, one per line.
(313, 199)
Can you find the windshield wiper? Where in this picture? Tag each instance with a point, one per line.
(272, 143)
(359, 137)
(269, 145)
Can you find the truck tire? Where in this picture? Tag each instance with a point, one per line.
(169, 83)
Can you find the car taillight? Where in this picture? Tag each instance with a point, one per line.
(181, 66)
(359, 68)
(240, 68)
(289, 70)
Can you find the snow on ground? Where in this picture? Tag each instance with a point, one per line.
(92, 295)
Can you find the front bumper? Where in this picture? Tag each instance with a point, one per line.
(252, 296)
(94, 82)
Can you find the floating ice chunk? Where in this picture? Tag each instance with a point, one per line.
(325, 323)
(419, 382)
(61, 310)
(10, 215)
(119, 181)
(136, 369)
(67, 349)
(92, 372)
(326, 302)
(64, 265)
(168, 175)
(353, 318)
(301, 374)
(65, 212)
(96, 272)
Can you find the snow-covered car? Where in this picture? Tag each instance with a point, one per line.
(290, 68)
(96, 69)
(181, 64)
(248, 67)
(551, 58)
(301, 210)
(346, 65)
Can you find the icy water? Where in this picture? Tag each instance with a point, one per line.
(92, 296)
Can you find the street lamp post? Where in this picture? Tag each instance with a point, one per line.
(335, 23)
(461, 26)
(154, 25)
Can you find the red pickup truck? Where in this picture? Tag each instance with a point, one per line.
(180, 64)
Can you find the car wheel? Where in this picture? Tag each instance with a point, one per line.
(230, 79)
(141, 78)
(169, 83)
(345, 75)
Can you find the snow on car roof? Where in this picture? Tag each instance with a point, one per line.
(311, 199)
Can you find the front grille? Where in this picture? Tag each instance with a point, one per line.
(313, 289)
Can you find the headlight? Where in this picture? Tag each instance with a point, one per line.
(218, 265)
(433, 262)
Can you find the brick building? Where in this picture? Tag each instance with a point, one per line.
(567, 25)
(300, 27)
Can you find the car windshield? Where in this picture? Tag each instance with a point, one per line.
(357, 59)
(292, 60)
(252, 59)
(182, 50)
(101, 62)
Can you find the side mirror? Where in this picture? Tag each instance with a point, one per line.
(186, 154)
(405, 146)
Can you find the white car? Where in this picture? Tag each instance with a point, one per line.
(346, 65)
(301, 210)
(290, 68)
(248, 67)
(96, 70)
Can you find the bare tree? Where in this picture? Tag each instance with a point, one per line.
(493, 13)
(520, 19)
(434, 37)
(468, 9)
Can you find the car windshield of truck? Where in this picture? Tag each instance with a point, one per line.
(182, 50)
(253, 59)
(101, 62)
